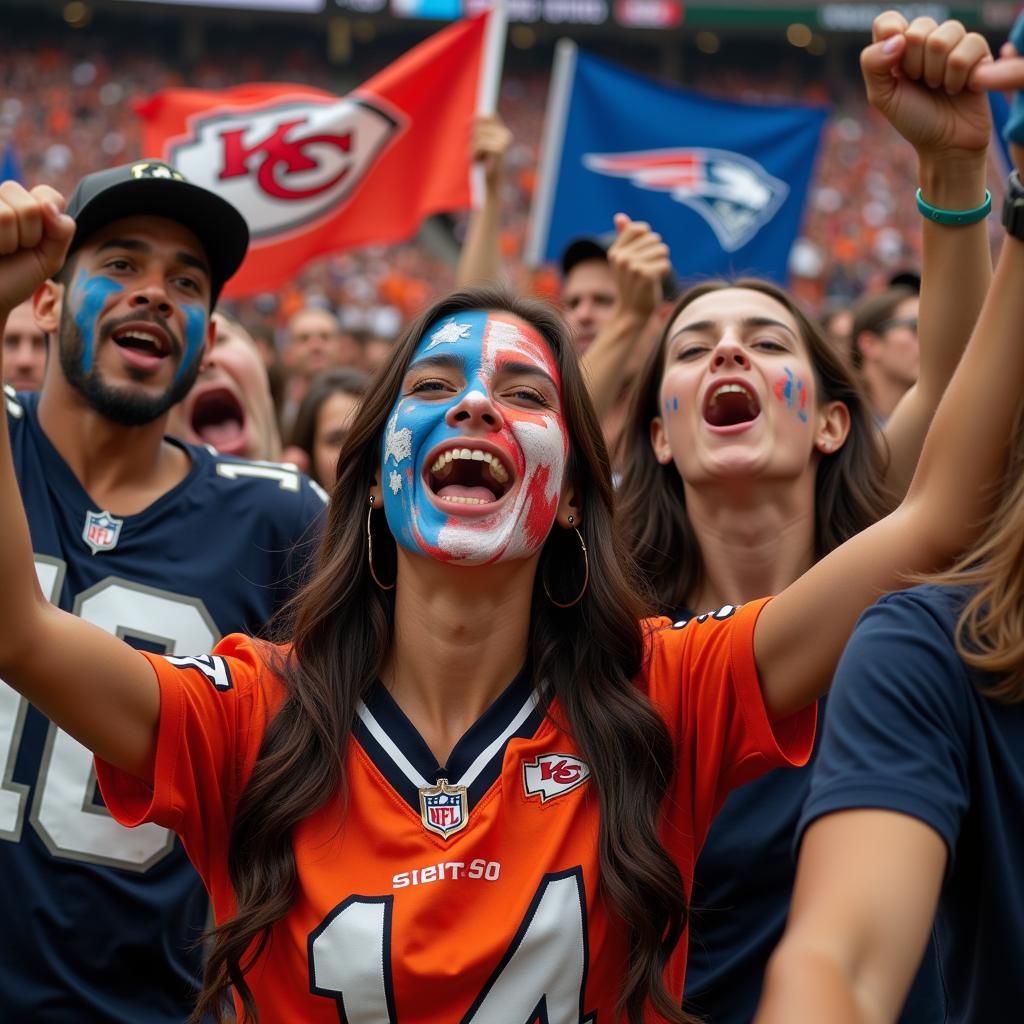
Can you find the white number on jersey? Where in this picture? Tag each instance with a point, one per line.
(64, 813)
(543, 971)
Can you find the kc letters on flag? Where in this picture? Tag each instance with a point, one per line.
(314, 173)
(724, 183)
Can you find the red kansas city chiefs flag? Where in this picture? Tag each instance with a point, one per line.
(313, 173)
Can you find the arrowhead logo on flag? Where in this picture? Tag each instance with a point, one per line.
(287, 164)
(722, 182)
(314, 173)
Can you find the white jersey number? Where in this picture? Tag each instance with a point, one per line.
(64, 812)
(543, 971)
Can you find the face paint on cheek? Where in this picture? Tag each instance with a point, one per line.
(792, 393)
(533, 443)
(400, 500)
(195, 333)
(89, 294)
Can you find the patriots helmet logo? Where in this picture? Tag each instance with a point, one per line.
(735, 195)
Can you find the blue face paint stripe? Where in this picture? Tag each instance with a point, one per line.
(195, 334)
(90, 295)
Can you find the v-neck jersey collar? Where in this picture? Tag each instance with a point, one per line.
(74, 495)
(402, 756)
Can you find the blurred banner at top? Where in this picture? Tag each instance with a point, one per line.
(723, 182)
(315, 174)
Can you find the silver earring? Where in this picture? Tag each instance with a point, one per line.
(369, 547)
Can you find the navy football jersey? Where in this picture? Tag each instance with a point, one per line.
(100, 922)
(912, 730)
(742, 884)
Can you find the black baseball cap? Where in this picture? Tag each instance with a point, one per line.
(586, 247)
(153, 187)
(595, 247)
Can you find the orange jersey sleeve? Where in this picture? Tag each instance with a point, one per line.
(702, 678)
(213, 714)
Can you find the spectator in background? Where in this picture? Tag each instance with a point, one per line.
(264, 339)
(589, 292)
(322, 423)
(613, 290)
(376, 352)
(230, 406)
(314, 342)
(24, 350)
(884, 346)
(838, 324)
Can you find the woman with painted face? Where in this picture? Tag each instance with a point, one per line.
(752, 453)
(472, 783)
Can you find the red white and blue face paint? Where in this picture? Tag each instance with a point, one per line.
(474, 450)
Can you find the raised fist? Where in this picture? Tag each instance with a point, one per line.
(639, 260)
(35, 235)
(488, 144)
(919, 75)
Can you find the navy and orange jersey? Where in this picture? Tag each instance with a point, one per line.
(100, 922)
(405, 913)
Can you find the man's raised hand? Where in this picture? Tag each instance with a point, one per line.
(640, 260)
(35, 235)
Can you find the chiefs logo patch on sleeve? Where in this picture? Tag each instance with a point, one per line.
(552, 775)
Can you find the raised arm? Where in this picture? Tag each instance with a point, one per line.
(88, 681)
(480, 259)
(865, 896)
(801, 634)
(949, 126)
(639, 260)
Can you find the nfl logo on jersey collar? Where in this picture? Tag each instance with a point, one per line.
(101, 531)
(444, 809)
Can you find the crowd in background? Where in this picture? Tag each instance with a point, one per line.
(858, 228)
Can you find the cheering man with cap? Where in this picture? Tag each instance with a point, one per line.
(611, 288)
(167, 545)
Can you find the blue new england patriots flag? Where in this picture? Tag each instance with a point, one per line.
(723, 182)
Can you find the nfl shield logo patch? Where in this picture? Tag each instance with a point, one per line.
(101, 531)
(444, 809)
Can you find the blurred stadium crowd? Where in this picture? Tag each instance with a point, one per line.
(858, 228)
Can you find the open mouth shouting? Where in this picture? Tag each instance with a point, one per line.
(465, 476)
(218, 419)
(142, 343)
(731, 406)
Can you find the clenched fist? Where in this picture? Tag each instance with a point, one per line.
(35, 235)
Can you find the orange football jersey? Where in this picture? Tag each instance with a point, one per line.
(472, 903)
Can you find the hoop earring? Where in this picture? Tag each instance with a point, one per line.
(369, 548)
(586, 576)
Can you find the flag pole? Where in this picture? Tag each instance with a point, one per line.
(560, 93)
(491, 67)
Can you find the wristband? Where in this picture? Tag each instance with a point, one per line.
(955, 218)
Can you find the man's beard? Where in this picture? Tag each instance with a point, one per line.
(129, 409)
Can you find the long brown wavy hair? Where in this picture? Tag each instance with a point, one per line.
(588, 656)
(652, 518)
(990, 631)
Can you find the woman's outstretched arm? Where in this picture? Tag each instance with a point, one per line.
(801, 634)
(949, 126)
(89, 682)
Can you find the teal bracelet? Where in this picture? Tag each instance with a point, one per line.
(954, 218)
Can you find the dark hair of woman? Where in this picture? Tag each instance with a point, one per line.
(652, 517)
(587, 657)
(343, 380)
